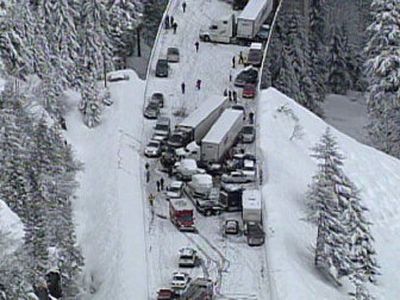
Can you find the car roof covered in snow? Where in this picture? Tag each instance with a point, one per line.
(188, 163)
(251, 199)
(203, 111)
(176, 184)
(202, 179)
(222, 126)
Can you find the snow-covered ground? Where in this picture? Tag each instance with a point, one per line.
(11, 230)
(348, 113)
(108, 206)
(289, 169)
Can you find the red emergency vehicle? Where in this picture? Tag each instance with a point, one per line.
(181, 214)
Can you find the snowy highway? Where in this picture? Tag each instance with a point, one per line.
(238, 270)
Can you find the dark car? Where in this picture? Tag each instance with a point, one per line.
(248, 75)
(159, 98)
(173, 54)
(162, 68)
(152, 110)
(263, 34)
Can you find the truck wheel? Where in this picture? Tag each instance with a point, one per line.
(206, 38)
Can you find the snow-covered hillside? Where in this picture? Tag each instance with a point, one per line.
(109, 201)
(289, 168)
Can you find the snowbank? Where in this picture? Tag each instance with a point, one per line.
(289, 168)
(11, 227)
(108, 208)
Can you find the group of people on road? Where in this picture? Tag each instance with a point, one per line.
(169, 21)
(183, 86)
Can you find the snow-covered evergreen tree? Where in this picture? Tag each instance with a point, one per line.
(338, 78)
(332, 253)
(90, 105)
(383, 71)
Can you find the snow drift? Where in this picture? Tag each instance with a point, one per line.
(11, 228)
(288, 168)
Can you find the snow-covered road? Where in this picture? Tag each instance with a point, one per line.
(240, 271)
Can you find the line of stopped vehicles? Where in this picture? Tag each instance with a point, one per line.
(209, 155)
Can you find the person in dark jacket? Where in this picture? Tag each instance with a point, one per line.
(162, 183)
(166, 22)
(183, 87)
(234, 94)
(197, 46)
(158, 185)
(198, 84)
(233, 62)
(184, 6)
(174, 26)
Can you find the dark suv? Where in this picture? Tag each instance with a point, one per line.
(162, 68)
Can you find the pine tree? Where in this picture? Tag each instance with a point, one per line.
(332, 253)
(338, 77)
(383, 71)
(90, 102)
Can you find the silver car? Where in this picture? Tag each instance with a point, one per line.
(173, 54)
(248, 134)
(152, 110)
(153, 149)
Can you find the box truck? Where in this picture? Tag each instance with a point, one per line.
(221, 136)
(252, 217)
(242, 29)
(197, 124)
(181, 214)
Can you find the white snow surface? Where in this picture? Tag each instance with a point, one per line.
(108, 204)
(288, 169)
(12, 228)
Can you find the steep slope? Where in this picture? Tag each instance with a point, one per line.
(108, 206)
(288, 168)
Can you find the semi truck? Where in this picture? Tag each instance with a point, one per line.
(252, 217)
(242, 29)
(197, 124)
(181, 214)
(221, 136)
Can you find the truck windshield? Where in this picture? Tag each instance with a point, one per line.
(248, 129)
(162, 127)
(176, 138)
(185, 218)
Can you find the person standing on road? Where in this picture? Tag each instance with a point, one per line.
(230, 96)
(184, 6)
(234, 94)
(197, 46)
(162, 183)
(230, 76)
(233, 62)
(166, 22)
(251, 117)
(225, 92)
(171, 21)
(183, 87)
(198, 84)
(241, 60)
(147, 176)
(174, 26)
(158, 185)
(151, 199)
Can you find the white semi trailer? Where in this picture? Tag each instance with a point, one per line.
(252, 217)
(241, 29)
(221, 136)
(252, 17)
(197, 124)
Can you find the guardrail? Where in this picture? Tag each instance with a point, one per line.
(153, 49)
(278, 9)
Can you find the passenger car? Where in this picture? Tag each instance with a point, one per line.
(180, 280)
(231, 227)
(117, 77)
(248, 134)
(165, 294)
(248, 75)
(173, 54)
(153, 149)
(174, 190)
(187, 257)
(158, 98)
(249, 90)
(152, 110)
(263, 33)
(239, 176)
(162, 68)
